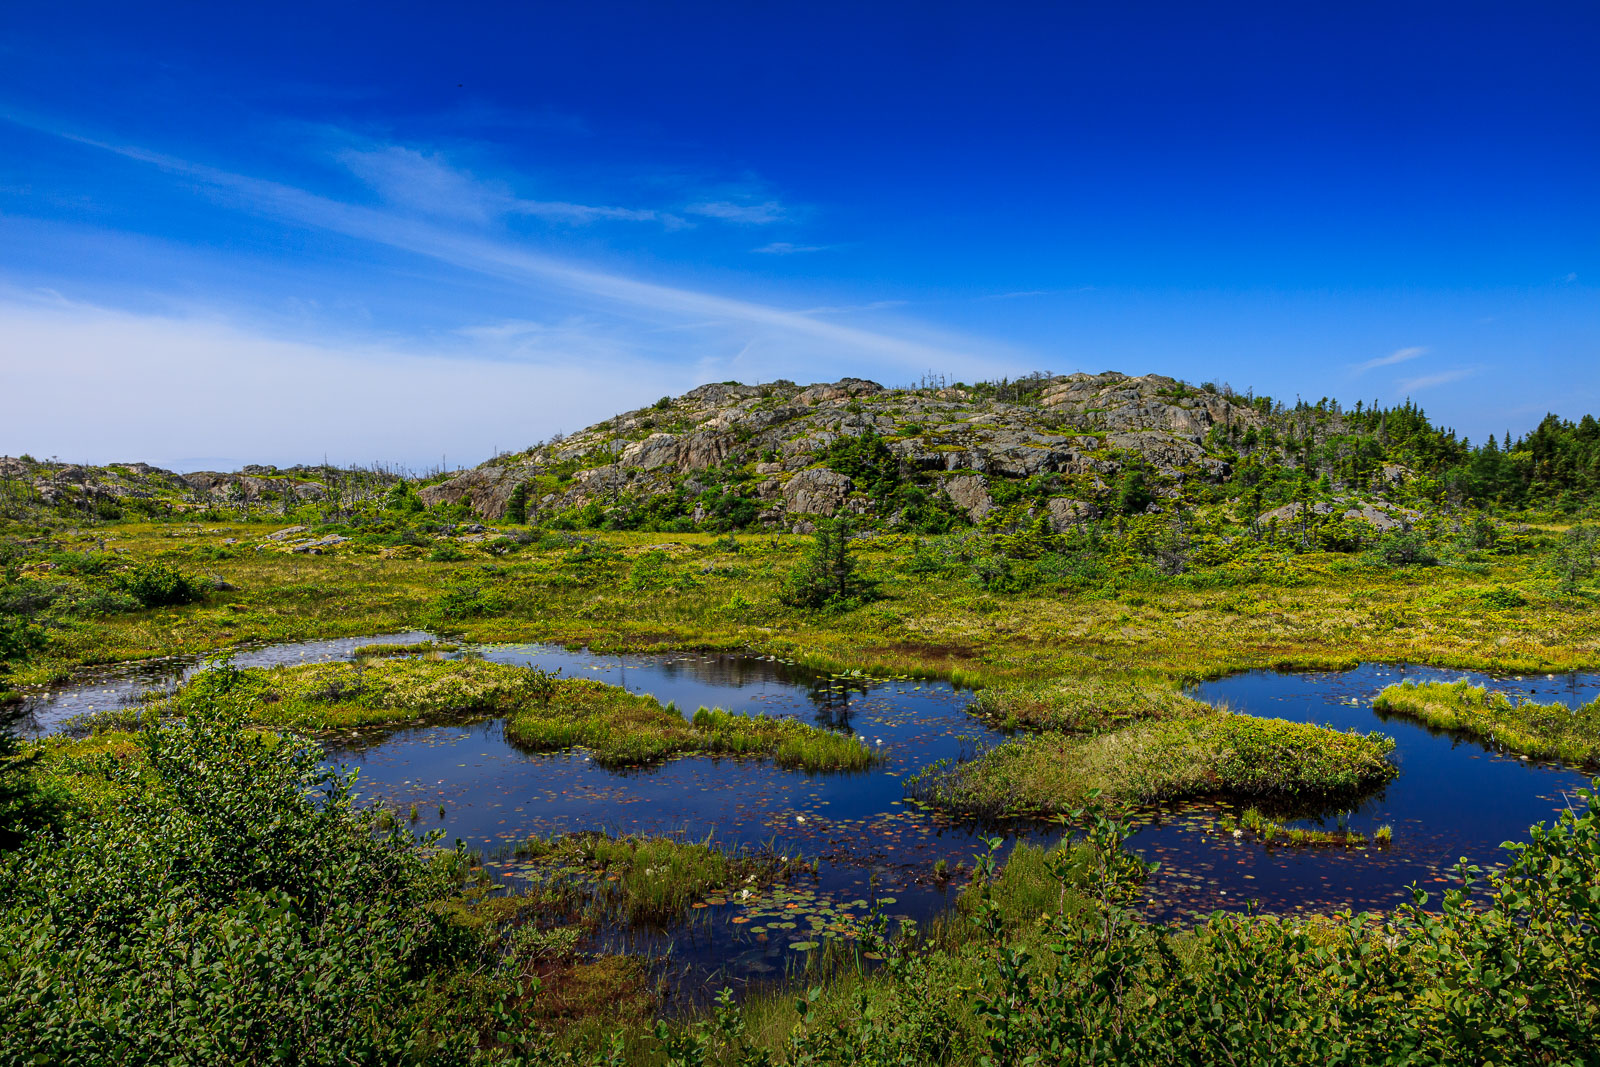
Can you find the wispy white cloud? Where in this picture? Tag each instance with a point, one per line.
(747, 212)
(785, 248)
(916, 347)
(1427, 381)
(845, 309)
(1399, 355)
(429, 184)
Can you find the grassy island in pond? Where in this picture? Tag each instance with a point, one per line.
(1221, 754)
(1544, 731)
(544, 712)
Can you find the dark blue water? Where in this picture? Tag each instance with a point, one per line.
(1453, 799)
(869, 843)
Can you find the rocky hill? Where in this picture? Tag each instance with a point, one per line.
(117, 488)
(781, 454)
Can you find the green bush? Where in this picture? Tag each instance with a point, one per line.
(18, 639)
(827, 576)
(27, 805)
(1403, 549)
(233, 906)
(158, 585)
(517, 505)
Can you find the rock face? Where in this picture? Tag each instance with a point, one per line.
(970, 493)
(779, 445)
(1150, 402)
(815, 492)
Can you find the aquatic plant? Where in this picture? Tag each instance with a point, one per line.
(641, 879)
(1270, 831)
(413, 648)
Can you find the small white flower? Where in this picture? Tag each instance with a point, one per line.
(1238, 833)
(799, 818)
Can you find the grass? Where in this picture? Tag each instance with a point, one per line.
(1271, 832)
(1087, 704)
(654, 879)
(1327, 612)
(413, 648)
(543, 712)
(1222, 755)
(1543, 731)
(622, 729)
(325, 697)
(1028, 885)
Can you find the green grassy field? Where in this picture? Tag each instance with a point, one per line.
(612, 591)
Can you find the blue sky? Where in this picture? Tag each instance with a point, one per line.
(407, 232)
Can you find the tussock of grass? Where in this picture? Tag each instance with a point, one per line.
(338, 696)
(1221, 755)
(1027, 887)
(1544, 731)
(654, 879)
(414, 648)
(1089, 704)
(1272, 832)
(621, 729)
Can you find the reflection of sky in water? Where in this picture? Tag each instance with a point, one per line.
(108, 688)
(1452, 797)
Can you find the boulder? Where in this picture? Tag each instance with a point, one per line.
(817, 491)
(970, 493)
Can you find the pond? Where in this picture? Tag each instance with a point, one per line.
(1452, 799)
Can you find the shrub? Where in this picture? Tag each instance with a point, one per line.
(233, 907)
(826, 577)
(18, 639)
(465, 600)
(27, 806)
(1133, 497)
(1403, 549)
(517, 505)
(158, 585)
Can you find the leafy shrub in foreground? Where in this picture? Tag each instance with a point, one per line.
(233, 907)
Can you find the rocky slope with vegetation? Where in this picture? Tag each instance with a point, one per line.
(31, 487)
(1065, 449)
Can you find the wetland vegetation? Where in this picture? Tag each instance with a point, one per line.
(189, 879)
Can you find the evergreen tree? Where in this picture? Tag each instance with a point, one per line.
(827, 577)
(517, 506)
